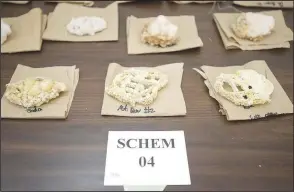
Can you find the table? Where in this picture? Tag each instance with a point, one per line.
(70, 154)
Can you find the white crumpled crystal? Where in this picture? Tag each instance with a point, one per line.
(245, 88)
(253, 26)
(5, 31)
(33, 92)
(160, 32)
(134, 86)
(86, 25)
(162, 26)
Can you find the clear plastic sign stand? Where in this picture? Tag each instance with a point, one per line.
(146, 160)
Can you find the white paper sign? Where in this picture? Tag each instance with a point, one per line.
(146, 158)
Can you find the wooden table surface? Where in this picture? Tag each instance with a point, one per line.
(70, 154)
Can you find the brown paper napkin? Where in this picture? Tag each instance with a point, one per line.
(187, 31)
(162, 106)
(63, 13)
(280, 104)
(26, 32)
(278, 39)
(270, 4)
(16, 2)
(84, 3)
(55, 109)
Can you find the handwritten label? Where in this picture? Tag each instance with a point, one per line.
(146, 158)
(266, 115)
(33, 109)
(271, 3)
(271, 114)
(126, 108)
(255, 116)
(281, 4)
(247, 107)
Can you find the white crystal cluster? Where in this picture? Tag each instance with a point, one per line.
(5, 31)
(160, 32)
(33, 92)
(86, 25)
(253, 26)
(245, 88)
(134, 86)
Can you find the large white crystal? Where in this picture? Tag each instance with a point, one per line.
(86, 25)
(5, 31)
(160, 33)
(137, 86)
(245, 88)
(33, 92)
(253, 26)
(163, 27)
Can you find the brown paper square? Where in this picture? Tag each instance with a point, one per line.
(280, 104)
(187, 31)
(26, 32)
(84, 3)
(64, 12)
(162, 106)
(55, 109)
(278, 39)
(271, 4)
